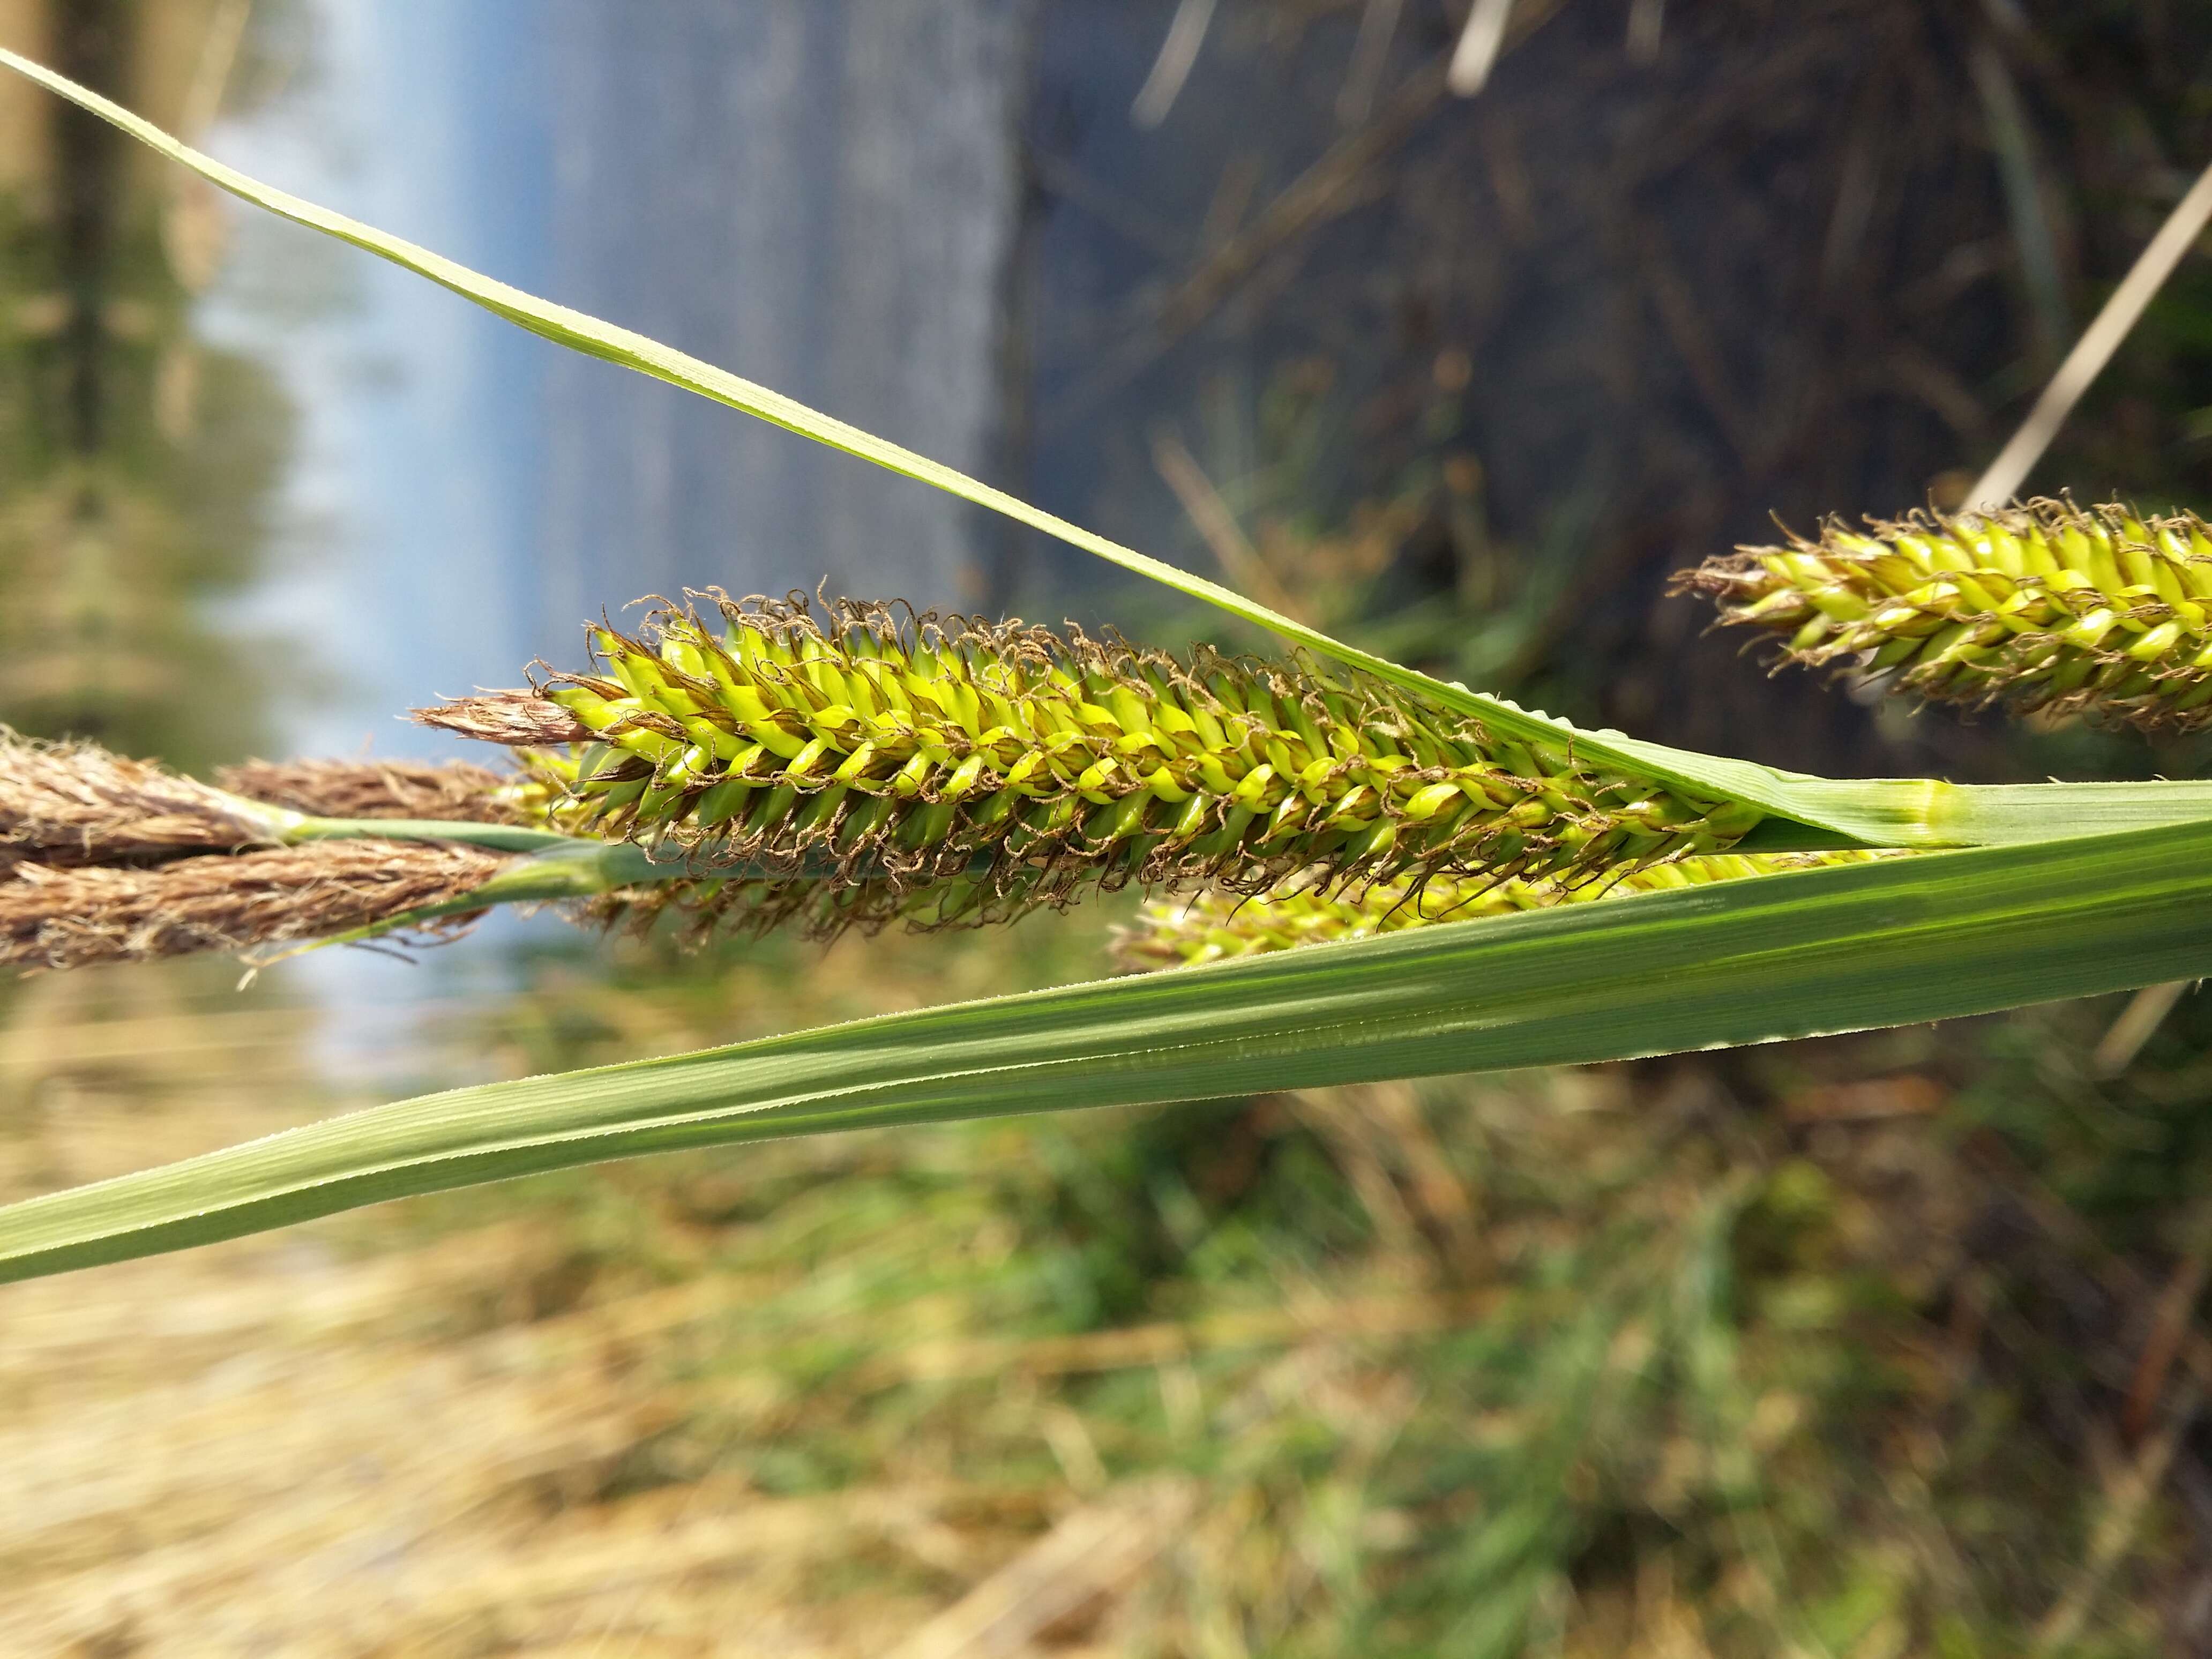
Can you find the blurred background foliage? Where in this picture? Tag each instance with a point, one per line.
(139, 461)
(1869, 1346)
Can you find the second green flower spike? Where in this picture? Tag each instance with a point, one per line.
(2044, 607)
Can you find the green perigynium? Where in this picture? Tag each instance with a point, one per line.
(875, 765)
(1215, 924)
(2044, 607)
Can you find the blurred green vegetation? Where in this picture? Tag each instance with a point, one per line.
(1862, 1347)
(142, 466)
(1870, 1347)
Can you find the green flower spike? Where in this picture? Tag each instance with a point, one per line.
(2041, 606)
(881, 765)
(1215, 924)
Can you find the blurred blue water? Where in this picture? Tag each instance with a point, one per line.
(819, 194)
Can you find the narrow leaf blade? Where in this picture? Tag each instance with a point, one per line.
(1830, 950)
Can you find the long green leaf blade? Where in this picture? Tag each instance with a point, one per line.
(1882, 812)
(1830, 950)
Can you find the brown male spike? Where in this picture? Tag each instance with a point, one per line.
(74, 916)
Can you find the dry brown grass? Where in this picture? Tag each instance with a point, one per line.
(314, 1445)
(354, 1440)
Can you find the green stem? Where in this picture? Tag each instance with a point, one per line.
(579, 869)
(498, 837)
(569, 868)
(1922, 814)
(287, 828)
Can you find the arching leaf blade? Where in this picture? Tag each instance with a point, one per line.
(1828, 949)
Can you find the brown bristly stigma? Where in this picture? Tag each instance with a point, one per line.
(517, 720)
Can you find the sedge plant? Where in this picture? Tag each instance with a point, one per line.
(1485, 886)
